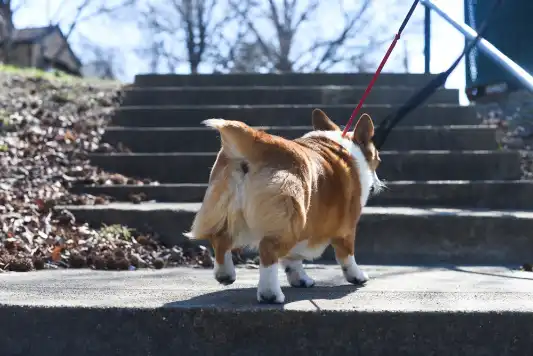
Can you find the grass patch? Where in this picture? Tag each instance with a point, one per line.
(117, 231)
(55, 75)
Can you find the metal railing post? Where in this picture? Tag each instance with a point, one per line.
(486, 47)
(427, 40)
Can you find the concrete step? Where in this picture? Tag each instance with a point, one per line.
(204, 139)
(385, 235)
(285, 115)
(402, 310)
(194, 167)
(277, 95)
(457, 194)
(286, 79)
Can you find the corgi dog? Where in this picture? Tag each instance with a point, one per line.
(290, 199)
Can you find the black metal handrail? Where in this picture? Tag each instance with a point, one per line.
(485, 46)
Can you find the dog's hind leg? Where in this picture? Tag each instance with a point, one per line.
(296, 275)
(224, 270)
(269, 288)
(344, 253)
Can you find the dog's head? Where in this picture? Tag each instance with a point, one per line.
(361, 136)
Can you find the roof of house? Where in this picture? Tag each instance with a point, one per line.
(36, 34)
(31, 34)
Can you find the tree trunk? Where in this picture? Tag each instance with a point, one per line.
(6, 14)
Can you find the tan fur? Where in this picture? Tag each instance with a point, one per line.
(271, 193)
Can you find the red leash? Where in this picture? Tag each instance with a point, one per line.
(381, 65)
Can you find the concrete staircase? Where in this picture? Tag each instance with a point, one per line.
(455, 199)
(454, 196)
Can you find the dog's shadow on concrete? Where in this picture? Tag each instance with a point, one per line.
(244, 298)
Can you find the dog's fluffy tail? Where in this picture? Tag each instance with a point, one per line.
(242, 141)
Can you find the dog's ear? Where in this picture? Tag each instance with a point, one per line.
(364, 130)
(322, 122)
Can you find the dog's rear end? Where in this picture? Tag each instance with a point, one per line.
(288, 198)
(248, 200)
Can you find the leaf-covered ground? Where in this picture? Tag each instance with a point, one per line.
(48, 124)
(513, 114)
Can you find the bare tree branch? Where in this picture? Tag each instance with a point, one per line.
(74, 22)
(79, 17)
(7, 10)
(334, 44)
(288, 44)
(101, 61)
(199, 23)
(244, 14)
(287, 21)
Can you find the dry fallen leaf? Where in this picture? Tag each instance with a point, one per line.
(56, 254)
(48, 128)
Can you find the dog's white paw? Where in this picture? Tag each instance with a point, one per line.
(269, 289)
(296, 275)
(225, 273)
(352, 272)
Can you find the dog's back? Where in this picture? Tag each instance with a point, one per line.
(265, 185)
(252, 197)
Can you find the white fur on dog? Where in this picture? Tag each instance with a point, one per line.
(302, 251)
(296, 274)
(227, 269)
(269, 285)
(366, 176)
(351, 270)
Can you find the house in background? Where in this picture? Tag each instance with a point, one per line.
(44, 48)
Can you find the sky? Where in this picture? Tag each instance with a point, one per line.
(446, 42)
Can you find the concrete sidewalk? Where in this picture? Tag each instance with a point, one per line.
(403, 310)
(412, 289)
